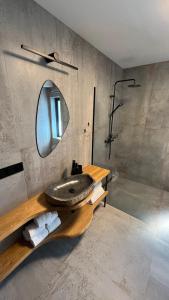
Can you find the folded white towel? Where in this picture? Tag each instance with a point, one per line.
(42, 226)
(46, 218)
(53, 225)
(32, 230)
(37, 239)
(97, 184)
(97, 192)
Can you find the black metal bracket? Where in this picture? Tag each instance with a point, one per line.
(93, 125)
(105, 199)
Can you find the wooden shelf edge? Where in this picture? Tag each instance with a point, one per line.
(12, 257)
(97, 173)
(23, 213)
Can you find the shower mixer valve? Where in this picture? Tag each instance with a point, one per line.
(111, 138)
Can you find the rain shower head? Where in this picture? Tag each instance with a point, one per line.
(132, 84)
(135, 85)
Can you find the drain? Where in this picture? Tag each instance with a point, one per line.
(72, 191)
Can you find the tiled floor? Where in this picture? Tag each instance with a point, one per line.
(144, 202)
(118, 258)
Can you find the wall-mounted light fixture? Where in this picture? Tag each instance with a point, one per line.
(52, 57)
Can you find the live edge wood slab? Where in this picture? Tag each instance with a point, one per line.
(73, 223)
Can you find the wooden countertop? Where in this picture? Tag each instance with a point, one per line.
(73, 224)
(37, 205)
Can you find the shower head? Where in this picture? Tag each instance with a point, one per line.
(132, 85)
(116, 108)
(135, 85)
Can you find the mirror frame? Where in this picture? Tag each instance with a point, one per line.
(36, 117)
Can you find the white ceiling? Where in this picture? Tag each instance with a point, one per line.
(130, 32)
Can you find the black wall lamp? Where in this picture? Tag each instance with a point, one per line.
(52, 57)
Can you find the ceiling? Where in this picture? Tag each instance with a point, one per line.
(130, 32)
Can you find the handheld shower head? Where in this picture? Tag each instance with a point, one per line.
(116, 108)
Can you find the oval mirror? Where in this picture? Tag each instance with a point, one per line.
(52, 118)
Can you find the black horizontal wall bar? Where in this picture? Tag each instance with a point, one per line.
(11, 170)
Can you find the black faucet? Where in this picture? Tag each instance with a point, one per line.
(76, 168)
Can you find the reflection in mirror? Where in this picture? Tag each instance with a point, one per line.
(52, 118)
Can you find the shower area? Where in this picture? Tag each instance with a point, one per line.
(134, 143)
(114, 106)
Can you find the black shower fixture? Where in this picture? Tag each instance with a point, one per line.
(135, 85)
(132, 85)
(112, 137)
(119, 105)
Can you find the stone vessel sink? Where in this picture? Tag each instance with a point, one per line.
(70, 191)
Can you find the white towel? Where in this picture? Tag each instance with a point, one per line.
(97, 192)
(32, 230)
(97, 184)
(45, 224)
(46, 218)
(37, 239)
(53, 225)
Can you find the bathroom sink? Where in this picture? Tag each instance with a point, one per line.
(70, 191)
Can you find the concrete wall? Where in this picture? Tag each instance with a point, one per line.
(21, 77)
(142, 151)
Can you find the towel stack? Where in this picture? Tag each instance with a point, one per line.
(97, 192)
(41, 227)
